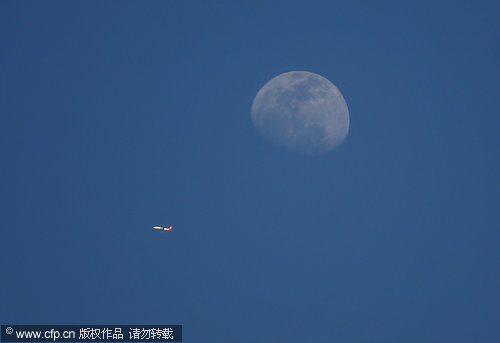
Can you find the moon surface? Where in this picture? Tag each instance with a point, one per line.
(301, 111)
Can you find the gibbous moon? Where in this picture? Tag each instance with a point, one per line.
(301, 111)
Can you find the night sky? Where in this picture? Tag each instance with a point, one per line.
(120, 115)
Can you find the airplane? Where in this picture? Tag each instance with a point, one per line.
(163, 228)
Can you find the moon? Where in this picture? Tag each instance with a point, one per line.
(301, 111)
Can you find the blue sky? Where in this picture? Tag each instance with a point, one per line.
(120, 116)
